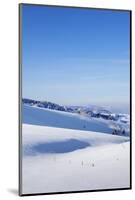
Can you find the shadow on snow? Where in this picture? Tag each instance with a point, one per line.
(55, 147)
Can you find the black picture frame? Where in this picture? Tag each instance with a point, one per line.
(20, 100)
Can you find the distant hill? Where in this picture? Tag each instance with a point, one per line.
(119, 122)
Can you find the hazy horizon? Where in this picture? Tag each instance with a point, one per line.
(117, 108)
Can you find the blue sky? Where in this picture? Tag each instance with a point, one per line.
(75, 56)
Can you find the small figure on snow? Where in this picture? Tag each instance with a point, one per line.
(82, 163)
(114, 132)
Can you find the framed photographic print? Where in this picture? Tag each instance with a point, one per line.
(74, 99)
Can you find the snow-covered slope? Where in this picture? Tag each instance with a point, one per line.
(102, 162)
(53, 118)
(34, 135)
(64, 151)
